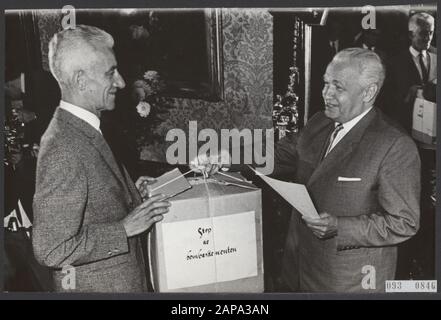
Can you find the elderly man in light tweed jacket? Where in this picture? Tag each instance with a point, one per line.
(88, 212)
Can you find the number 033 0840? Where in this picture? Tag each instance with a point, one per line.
(411, 286)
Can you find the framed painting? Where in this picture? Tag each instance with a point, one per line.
(183, 46)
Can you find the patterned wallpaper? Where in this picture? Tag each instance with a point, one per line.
(49, 23)
(248, 84)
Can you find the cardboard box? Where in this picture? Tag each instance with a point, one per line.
(209, 241)
(424, 121)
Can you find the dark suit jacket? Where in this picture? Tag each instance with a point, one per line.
(402, 75)
(81, 197)
(374, 214)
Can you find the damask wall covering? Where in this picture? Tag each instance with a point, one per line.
(248, 84)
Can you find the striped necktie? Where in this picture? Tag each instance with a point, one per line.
(332, 137)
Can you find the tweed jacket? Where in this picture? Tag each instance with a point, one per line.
(81, 197)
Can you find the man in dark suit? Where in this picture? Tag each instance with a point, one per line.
(363, 175)
(413, 73)
(413, 69)
(88, 214)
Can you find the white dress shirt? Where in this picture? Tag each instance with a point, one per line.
(369, 48)
(83, 114)
(347, 126)
(416, 59)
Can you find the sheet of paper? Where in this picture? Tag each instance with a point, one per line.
(296, 194)
(210, 250)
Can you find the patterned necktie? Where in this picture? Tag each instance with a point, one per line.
(423, 69)
(332, 138)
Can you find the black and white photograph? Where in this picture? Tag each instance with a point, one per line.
(220, 150)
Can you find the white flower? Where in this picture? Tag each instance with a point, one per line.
(143, 109)
(201, 164)
(210, 164)
(150, 75)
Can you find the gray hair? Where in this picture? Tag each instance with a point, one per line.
(420, 19)
(65, 46)
(369, 64)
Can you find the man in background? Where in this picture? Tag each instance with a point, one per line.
(413, 73)
(412, 70)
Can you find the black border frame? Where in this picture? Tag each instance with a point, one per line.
(48, 4)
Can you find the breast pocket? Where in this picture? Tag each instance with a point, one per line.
(349, 185)
(348, 188)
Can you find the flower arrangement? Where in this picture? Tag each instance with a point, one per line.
(145, 91)
(151, 107)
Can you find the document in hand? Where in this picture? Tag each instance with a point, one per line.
(170, 184)
(296, 194)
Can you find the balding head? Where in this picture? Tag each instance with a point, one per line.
(84, 64)
(352, 82)
(367, 63)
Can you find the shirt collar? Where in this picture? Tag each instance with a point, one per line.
(366, 47)
(82, 113)
(415, 53)
(347, 126)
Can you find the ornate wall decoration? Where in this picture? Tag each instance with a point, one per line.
(49, 23)
(248, 73)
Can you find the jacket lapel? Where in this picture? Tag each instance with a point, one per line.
(97, 141)
(414, 70)
(136, 197)
(432, 65)
(343, 148)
